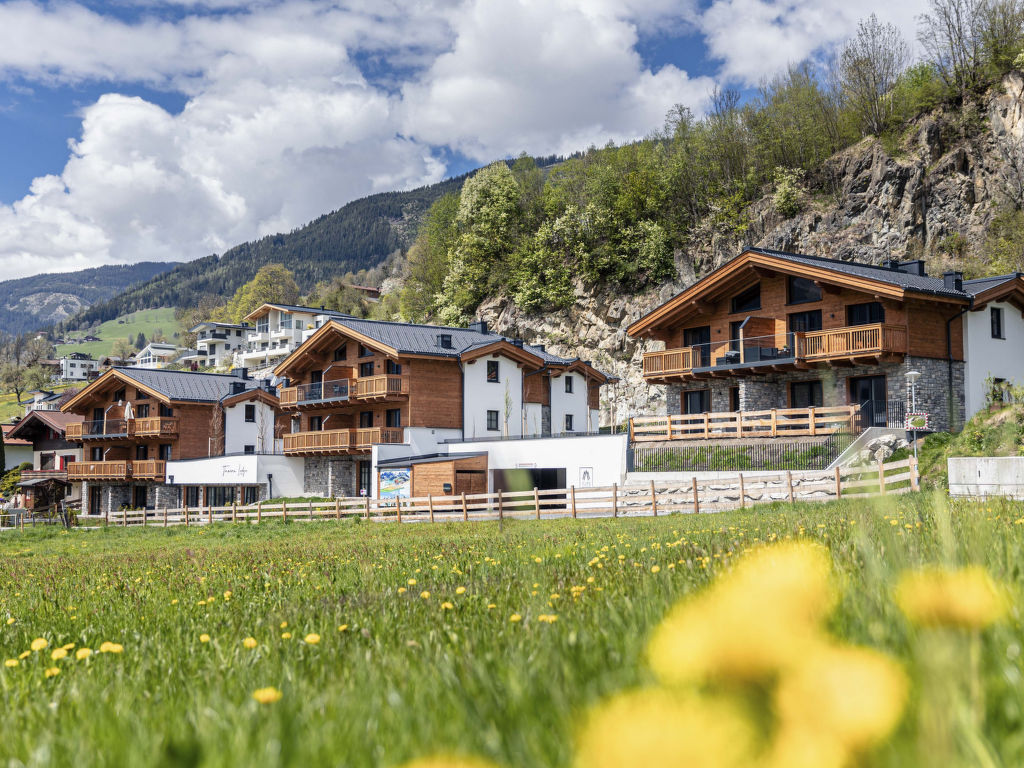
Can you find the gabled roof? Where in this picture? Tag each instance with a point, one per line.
(56, 420)
(1008, 288)
(7, 429)
(170, 386)
(212, 324)
(876, 279)
(265, 308)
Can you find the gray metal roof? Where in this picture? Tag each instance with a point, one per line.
(189, 385)
(910, 282)
(982, 284)
(311, 310)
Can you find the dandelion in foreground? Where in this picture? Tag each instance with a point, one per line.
(109, 647)
(446, 606)
(11, 663)
(460, 590)
(10, 621)
(655, 568)
(967, 598)
(425, 594)
(83, 653)
(342, 627)
(267, 695)
(286, 635)
(312, 638)
(204, 638)
(250, 643)
(515, 617)
(58, 654)
(52, 672)
(24, 654)
(402, 590)
(39, 644)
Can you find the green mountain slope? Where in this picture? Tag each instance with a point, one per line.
(357, 236)
(35, 302)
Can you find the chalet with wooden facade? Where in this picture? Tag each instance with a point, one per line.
(771, 329)
(135, 420)
(362, 391)
(47, 483)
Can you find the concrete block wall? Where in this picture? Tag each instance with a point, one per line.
(330, 476)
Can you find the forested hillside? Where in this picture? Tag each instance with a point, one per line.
(360, 235)
(41, 300)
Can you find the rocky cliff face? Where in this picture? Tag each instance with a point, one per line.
(864, 204)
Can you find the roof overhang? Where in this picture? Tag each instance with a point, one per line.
(103, 381)
(325, 337)
(504, 349)
(1010, 291)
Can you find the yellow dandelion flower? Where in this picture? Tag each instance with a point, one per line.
(283, 624)
(515, 617)
(411, 582)
(446, 606)
(11, 663)
(659, 727)
(39, 644)
(402, 590)
(590, 579)
(460, 590)
(537, 560)
(286, 635)
(204, 638)
(250, 643)
(52, 672)
(850, 696)
(10, 621)
(227, 595)
(267, 695)
(58, 654)
(24, 654)
(491, 606)
(778, 594)
(342, 627)
(424, 594)
(655, 568)
(937, 597)
(449, 761)
(83, 653)
(312, 638)
(548, 618)
(68, 646)
(109, 647)
(174, 601)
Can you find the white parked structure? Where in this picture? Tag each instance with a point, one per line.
(278, 330)
(78, 366)
(217, 343)
(156, 355)
(993, 338)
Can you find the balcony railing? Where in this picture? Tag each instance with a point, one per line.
(44, 474)
(149, 426)
(776, 422)
(153, 426)
(381, 386)
(326, 391)
(99, 470)
(148, 469)
(779, 349)
(340, 440)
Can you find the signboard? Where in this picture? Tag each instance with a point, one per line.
(395, 483)
(586, 477)
(917, 422)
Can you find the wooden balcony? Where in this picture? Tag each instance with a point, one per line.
(149, 469)
(123, 429)
(381, 387)
(158, 426)
(339, 441)
(790, 351)
(99, 470)
(777, 422)
(325, 393)
(44, 474)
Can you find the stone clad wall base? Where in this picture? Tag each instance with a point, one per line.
(329, 476)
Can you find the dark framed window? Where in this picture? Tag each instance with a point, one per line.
(393, 417)
(492, 371)
(996, 316)
(165, 411)
(192, 496)
(164, 452)
(747, 301)
(734, 335)
(139, 394)
(119, 394)
(96, 454)
(366, 369)
(568, 384)
(393, 368)
(142, 411)
(800, 290)
(365, 419)
(250, 494)
(696, 401)
(865, 314)
(734, 398)
(492, 421)
(805, 322)
(141, 452)
(444, 341)
(316, 423)
(806, 394)
(568, 422)
(250, 412)
(219, 495)
(248, 449)
(139, 497)
(341, 352)
(365, 351)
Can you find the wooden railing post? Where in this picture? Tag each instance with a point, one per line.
(775, 423)
(165, 516)
(259, 512)
(696, 497)
(186, 515)
(209, 514)
(789, 483)
(501, 508)
(615, 499)
(284, 511)
(234, 511)
(743, 493)
(654, 500)
(707, 425)
(367, 507)
(536, 502)
(337, 508)
(811, 418)
(881, 477)
(572, 500)
(465, 509)
(839, 483)
(106, 516)
(668, 423)
(430, 505)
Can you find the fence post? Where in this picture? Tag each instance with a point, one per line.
(398, 507)
(839, 483)
(186, 515)
(284, 511)
(310, 509)
(259, 512)
(165, 516)
(430, 505)
(743, 493)
(789, 483)
(367, 507)
(234, 511)
(707, 426)
(775, 423)
(124, 518)
(810, 416)
(572, 500)
(615, 499)
(881, 477)
(668, 421)
(209, 514)
(145, 516)
(536, 502)
(501, 508)
(915, 480)
(654, 500)
(465, 509)
(106, 518)
(696, 497)
(337, 508)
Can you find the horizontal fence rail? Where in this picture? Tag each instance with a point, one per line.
(776, 422)
(639, 500)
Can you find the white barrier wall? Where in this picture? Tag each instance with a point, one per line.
(978, 477)
(287, 472)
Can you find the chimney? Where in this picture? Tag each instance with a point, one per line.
(479, 326)
(915, 267)
(237, 387)
(518, 343)
(242, 373)
(953, 281)
(540, 347)
(892, 264)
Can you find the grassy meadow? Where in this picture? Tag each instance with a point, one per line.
(145, 321)
(358, 644)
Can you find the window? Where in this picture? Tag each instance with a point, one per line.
(262, 324)
(140, 395)
(492, 371)
(865, 314)
(250, 494)
(805, 394)
(393, 368)
(192, 496)
(747, 301)
(734, 335)
(365, 419)
(393, 417)
(316, 423)
(697, 401)
(734, 399)
(568, 422)
(219, 495)
(366, 369)
(341, 352)
(141, 452)
(142, 411)
(365, 351)
(996, 315)
(286, 322)
(492, 421)
(164, 452)
(165, 411)
(805, 322)
(248, 449)
(444, 340)
(568, 384)
(119, 394)
(250, 412)
(800, 290)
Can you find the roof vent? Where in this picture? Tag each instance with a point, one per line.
(237, 387)
(444, 340)
(540, 347)
(915, 267)
(242, 373)
(892, 264)
(518, 343)
(953, 281)
(479, 326)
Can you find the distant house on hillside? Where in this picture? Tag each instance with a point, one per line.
(156, 355)
(216, 343)
(78, 366)
(89, 338)
(280, 328)
(43, 400)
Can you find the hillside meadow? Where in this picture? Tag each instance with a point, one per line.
(797, 638)
(144, 321)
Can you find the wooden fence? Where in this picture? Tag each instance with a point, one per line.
(650, 499)
(776, 422)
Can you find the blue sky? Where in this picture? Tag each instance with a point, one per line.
(165, 130)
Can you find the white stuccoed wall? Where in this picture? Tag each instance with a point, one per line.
(985, 356)
(239, 433)
(480, 396)
(575, 403)
(241, 470)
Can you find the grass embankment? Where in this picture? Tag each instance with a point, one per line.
(467, 637)
(145, 321)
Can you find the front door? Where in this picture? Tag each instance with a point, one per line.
(696, 401)
(700, 340)
(139, 497)
(363, 478)
(95, 499)
(316, 379)
(869, 393)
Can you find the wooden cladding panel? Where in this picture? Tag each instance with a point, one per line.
(435, 394)
(537, 388)
(466, 474)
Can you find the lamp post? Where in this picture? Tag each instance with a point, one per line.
(912, 377)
